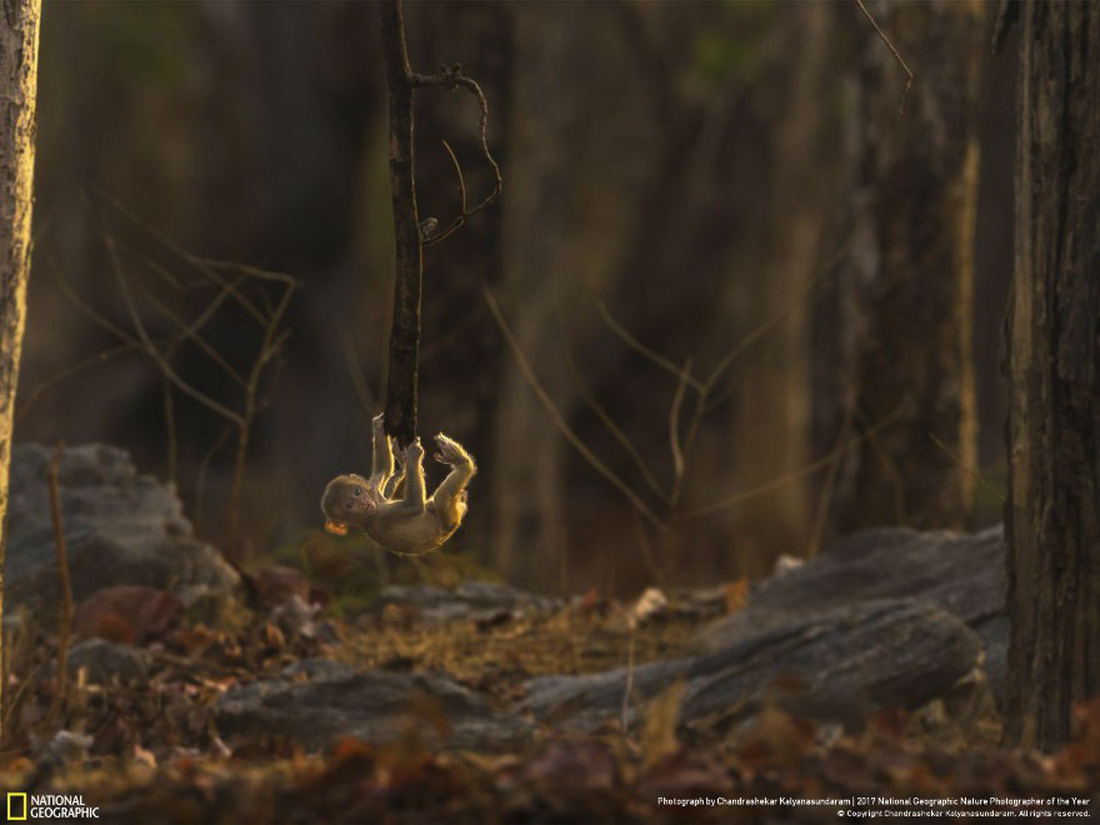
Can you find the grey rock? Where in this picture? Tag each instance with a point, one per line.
(470, 601)
(961, 573)
(104, 661)
(120, 528)
(838, 665)
(336, 700)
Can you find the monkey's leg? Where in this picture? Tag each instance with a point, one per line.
(450, 495)
(414, 477)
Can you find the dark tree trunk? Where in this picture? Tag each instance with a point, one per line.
(1053, 328)
(19, 84)
(893, 338)
(405, 332)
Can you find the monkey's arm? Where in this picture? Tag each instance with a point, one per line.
(381, 454)
(390, 490)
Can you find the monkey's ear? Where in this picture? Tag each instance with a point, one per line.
(337, 528)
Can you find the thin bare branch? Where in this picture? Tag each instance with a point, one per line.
(156, 267)
(36, 394)
(996, 489)
(760, 331)
(204, 465)
(689, 442)
(559, 419)
(824, 500)
(87, 309)
(451, 77)
(151, 350)
(246, 269)
(674, 427)
(172, 450)
(649, 558)
(355, 370)
(65, 630)
(645, 351)
(189, 332)
(776, 483)
(897, 56)
(613, 428)
(199, 264)
(629, 688)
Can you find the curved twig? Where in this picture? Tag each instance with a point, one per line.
(451, 77)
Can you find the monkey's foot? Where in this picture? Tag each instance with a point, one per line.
(450, 451)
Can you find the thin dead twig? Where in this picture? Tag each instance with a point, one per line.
(758, 332)
(269, 318)
(997, 490)
(643, 350)
(629, 688)
(613, 428)
(355, 370)
(451, 77)
(201, 265)
(153, 352)
(204, 465)
(559, 419)
(824, 499)
(766, 487)
(674, 433)
(36, 394)
(897, 55)
(65, 630)
(190, 332)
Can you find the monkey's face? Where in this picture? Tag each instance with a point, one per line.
(347, 501)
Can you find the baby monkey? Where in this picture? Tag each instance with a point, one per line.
(411, 524)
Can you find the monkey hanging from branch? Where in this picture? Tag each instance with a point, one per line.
(411, 524)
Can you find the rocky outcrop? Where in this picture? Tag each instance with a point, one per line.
(962, 574)
(120, 528)
(318, 702)
(838, 665)
(471, 601)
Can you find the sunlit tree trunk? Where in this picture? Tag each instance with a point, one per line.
(769, 276)
(893, 344)
(1053, 514)
(19, 78)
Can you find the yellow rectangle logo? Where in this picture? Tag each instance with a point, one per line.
(11, 814)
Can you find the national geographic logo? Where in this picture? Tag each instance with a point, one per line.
(22, 807)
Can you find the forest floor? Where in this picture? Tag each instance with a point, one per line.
(153, 752)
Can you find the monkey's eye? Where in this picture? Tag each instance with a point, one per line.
(350, 505)
(355, 491)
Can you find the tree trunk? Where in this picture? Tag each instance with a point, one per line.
(19, 76)
(782, 252)
(1053, 329)
(893, 349)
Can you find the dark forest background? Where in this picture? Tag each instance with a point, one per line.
(692, 167)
